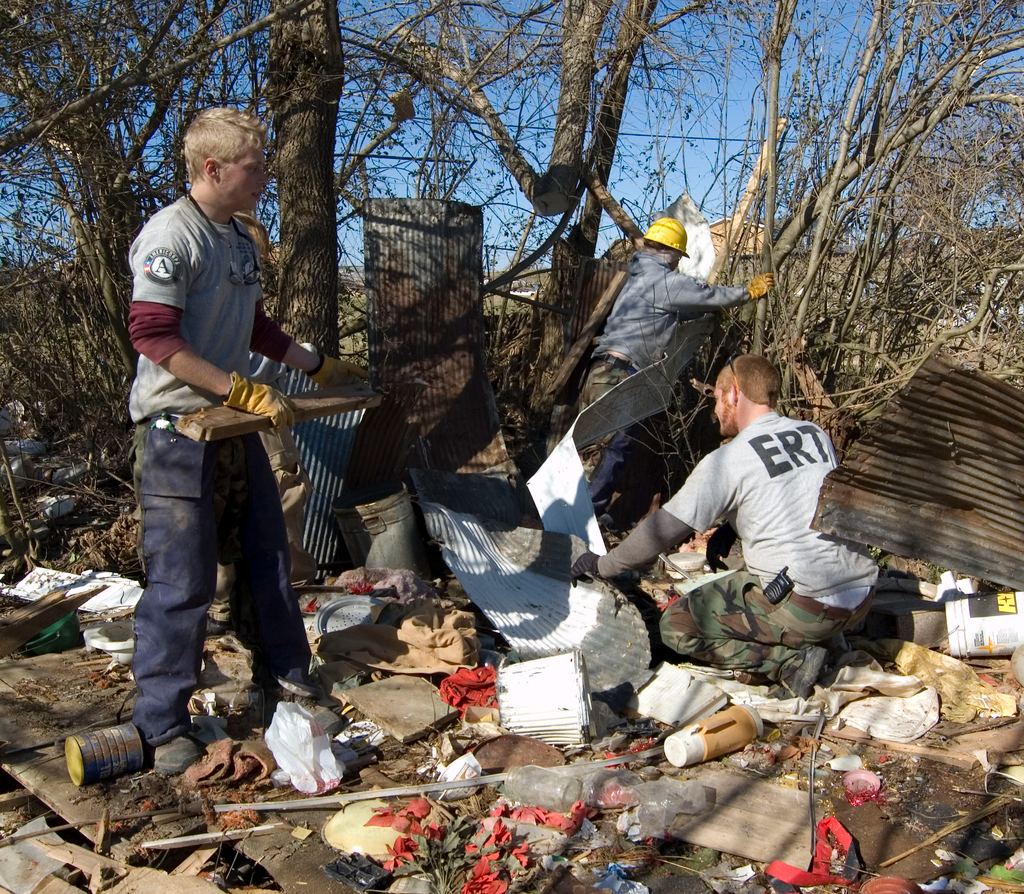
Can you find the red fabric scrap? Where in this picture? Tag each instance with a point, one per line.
(470, 686)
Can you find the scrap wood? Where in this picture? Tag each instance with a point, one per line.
(962, 823)
(23, 623)
(80, 824)
(53, 885)
(953, 757)
(164, 844)
(144, 880)
(194, 863)
(14, 800)
(216, 423)
(582, 344)
(99, 869)
(751, 818)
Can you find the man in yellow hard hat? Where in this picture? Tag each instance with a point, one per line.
(639, 330)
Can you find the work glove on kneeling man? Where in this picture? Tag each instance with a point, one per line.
(260, 399)
(333, 371)
(585, 566)
(760, 285)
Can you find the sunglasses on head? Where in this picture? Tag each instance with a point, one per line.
(708, 390)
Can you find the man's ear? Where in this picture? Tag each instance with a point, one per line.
(211, 169)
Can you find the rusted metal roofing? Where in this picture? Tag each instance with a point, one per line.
(938, 478)
(424, 273)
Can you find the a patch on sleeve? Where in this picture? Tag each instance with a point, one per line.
(163, 266)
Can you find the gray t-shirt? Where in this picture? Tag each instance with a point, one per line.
(210, 271)
(653, 301)
(765, 483)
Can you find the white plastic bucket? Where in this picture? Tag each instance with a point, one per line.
(989, 624)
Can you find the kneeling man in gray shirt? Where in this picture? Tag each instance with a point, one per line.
(763, 485)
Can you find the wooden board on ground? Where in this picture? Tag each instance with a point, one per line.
(753, 819)
(143, 880)
(407, 708)
(955, 757)
(295, 866)
(26, 621)
(48, 697)
(42, 770)
(216, 423)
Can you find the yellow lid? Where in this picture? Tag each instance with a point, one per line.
(73, 756)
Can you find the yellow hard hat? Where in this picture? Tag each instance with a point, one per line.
(668, 231)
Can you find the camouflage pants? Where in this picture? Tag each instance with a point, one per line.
(729, 624)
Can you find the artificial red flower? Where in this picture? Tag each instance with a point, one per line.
(484, 880)
(401, 853)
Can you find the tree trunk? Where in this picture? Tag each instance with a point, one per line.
(304, 88)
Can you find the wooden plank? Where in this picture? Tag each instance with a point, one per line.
(217, 423)
(582, 344)
(751, 818)
(407, 708)
(194, 863)
(54, 885)
(14, 800)
(143, 880)
(28, 620)
(95, 866)
(954, 758)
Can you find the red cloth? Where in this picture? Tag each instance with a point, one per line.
(267, 337)
(155, 331)
(470, 686)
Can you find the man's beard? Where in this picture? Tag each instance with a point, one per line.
(727, 421)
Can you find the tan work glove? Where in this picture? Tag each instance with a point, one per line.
(760, 285)
(334, 372)
(260, 399)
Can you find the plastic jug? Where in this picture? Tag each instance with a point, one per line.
(721, 733)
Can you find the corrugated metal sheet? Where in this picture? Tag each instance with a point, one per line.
(519, 578)
(938, 477)
(424, 273)
(325, 446)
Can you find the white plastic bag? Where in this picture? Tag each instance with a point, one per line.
(302, 749)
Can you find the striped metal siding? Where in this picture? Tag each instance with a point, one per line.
(938, 478)
(519, 578)
(325, 446)
(424, 272)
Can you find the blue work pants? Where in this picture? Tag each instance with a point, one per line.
(179, 543)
